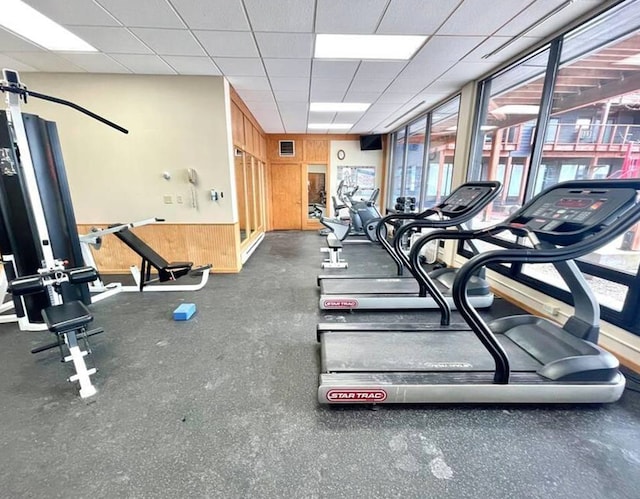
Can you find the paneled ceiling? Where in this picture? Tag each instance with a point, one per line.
(265, 49)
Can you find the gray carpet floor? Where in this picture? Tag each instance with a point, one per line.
(225, 406)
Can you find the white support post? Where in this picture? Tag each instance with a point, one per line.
(82, 373)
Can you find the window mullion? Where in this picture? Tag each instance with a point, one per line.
(546, 103)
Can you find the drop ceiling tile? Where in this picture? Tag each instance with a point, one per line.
(395, 97)
(264, 113)
(407, 85)
(272, 127)
(464, 72)
(336, 85)
(213, 14)
(354, 16)
(539, 9)
(334, 69)
(70, 12)
(297, 68)
(111, 40)
(370, 84)
(291, 95)
(45, 61)
(441, 87)
(228, 43)
(143, 13)
(240, 66)
(279, 83)
(326, 95)
(285, 45)
(16, 64)
(169, 41)
(347, 117)
(10, 42)
(290, 108)
(447, 48)
(257, 97)
(380, 69)
(474, 18)
(189, 65)
(282, 16)
(144, 64)
(520, 46)
(382, 108)
(249, 82)
(95, 63)
(269, 122)
(426, 72)
(356, 96)
(412, 17)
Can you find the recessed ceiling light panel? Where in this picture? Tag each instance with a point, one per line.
(399, 47)
(25, 21)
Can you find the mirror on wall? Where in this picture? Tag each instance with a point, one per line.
(316, 191)
(241, 193)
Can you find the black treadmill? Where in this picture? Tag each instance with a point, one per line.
(404, 292)
(516, 359)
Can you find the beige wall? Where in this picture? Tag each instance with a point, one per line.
(174, 122)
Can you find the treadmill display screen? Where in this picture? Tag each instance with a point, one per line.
(573, 202)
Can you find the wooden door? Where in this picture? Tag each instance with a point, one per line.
(286, 196)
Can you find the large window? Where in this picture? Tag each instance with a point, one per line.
(425, 176)
(570, 111)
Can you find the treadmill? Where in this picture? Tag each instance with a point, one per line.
(354, 292)
(515, 359)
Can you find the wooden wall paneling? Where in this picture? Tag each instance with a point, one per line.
(273, 148)
(286, 196)
(304, 196)
(248, 135)
(256, 142)
(201, 244)
(316, 151)
(263, 148)
(237, 125)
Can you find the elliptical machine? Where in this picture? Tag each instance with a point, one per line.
(363, 215)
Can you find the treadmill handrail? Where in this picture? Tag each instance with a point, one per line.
(398, 255)
(524, 255)
(398, 216)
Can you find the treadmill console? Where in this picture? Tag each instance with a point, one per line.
(463, 199)
(565, 216)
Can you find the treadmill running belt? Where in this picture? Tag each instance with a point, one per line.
(410, 351)
(377, 286)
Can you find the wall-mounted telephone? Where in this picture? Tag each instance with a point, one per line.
(192, 176)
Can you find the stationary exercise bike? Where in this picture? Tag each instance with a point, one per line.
(363, 215)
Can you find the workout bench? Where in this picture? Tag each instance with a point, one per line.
(334, 248)
(166, 271)
(68, 321)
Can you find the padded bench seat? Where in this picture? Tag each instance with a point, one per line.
(67, 316)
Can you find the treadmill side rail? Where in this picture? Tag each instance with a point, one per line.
(434, 389)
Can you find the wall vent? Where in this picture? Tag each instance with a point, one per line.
(287, 148)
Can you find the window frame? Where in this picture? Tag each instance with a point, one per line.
(629, 316)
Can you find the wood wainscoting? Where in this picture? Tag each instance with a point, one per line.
(217, 244)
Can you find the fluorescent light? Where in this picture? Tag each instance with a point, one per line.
(27, 22)
(329, 126)
(516, 109)
(367, 46)
(338, 106)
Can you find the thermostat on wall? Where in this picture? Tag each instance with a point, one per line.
(341, 154)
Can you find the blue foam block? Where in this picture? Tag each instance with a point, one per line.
(184, 312)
